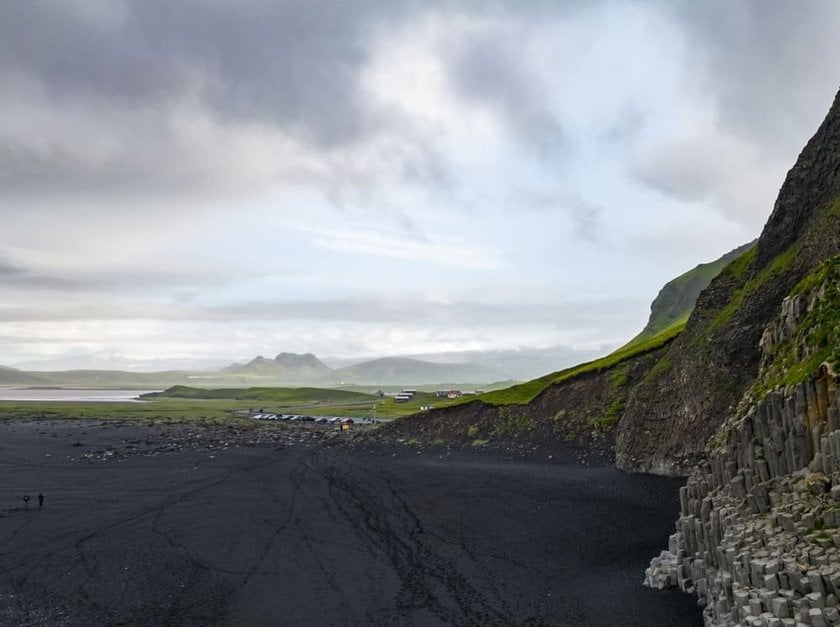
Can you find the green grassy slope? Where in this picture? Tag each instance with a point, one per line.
(266, 395)
(677, 298)
(669, 315)
(12, 376)
(526, 392)
(719, 350)
(817, 337)
(314, 401)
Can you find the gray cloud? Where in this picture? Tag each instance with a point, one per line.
(627, 125)
(420, 311)
(131, 78)
(585, 216)
(83, 49)
(771, 65)
(153, 91)
(769, 71)
(16, 276)
(129, 128)
(347, 310)
(587, 220)
(488, 66)
(17, 282)
(292, 64)
(8, 270)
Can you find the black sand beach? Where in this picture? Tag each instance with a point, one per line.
(151, 525)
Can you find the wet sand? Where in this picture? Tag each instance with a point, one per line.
(180, 526)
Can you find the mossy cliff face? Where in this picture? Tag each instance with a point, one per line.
(574, 420)
(677, 297)
(672, 413)
(758, 538)
(807, 333)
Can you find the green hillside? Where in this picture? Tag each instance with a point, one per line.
(670, 417)
(677, 298)
(669, 315)
(526, 392)
(267, 395)
(13, 376)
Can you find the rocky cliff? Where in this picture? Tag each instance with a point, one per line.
(758, 538)
(573, 413)
(573, 420)
(689, 386)
(703, 375)
(677, 298)
(745, 399)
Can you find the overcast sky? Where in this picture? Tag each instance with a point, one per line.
(207, 179)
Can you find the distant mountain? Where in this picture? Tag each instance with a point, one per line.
(408, 371)
(113, 379)
(285, 368)
(519, 364)
(478, 368)
(307, 363)
(258, 364)
(13, 376)
(307, 369)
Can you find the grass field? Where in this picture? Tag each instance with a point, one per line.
(200, 406)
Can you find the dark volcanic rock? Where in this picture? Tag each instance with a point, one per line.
(571, 421)
(670, 416)
(812, 183)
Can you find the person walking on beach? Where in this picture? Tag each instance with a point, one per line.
(26, 500)
(40, 500)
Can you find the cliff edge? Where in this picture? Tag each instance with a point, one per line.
(758, 537)
(702, 376)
